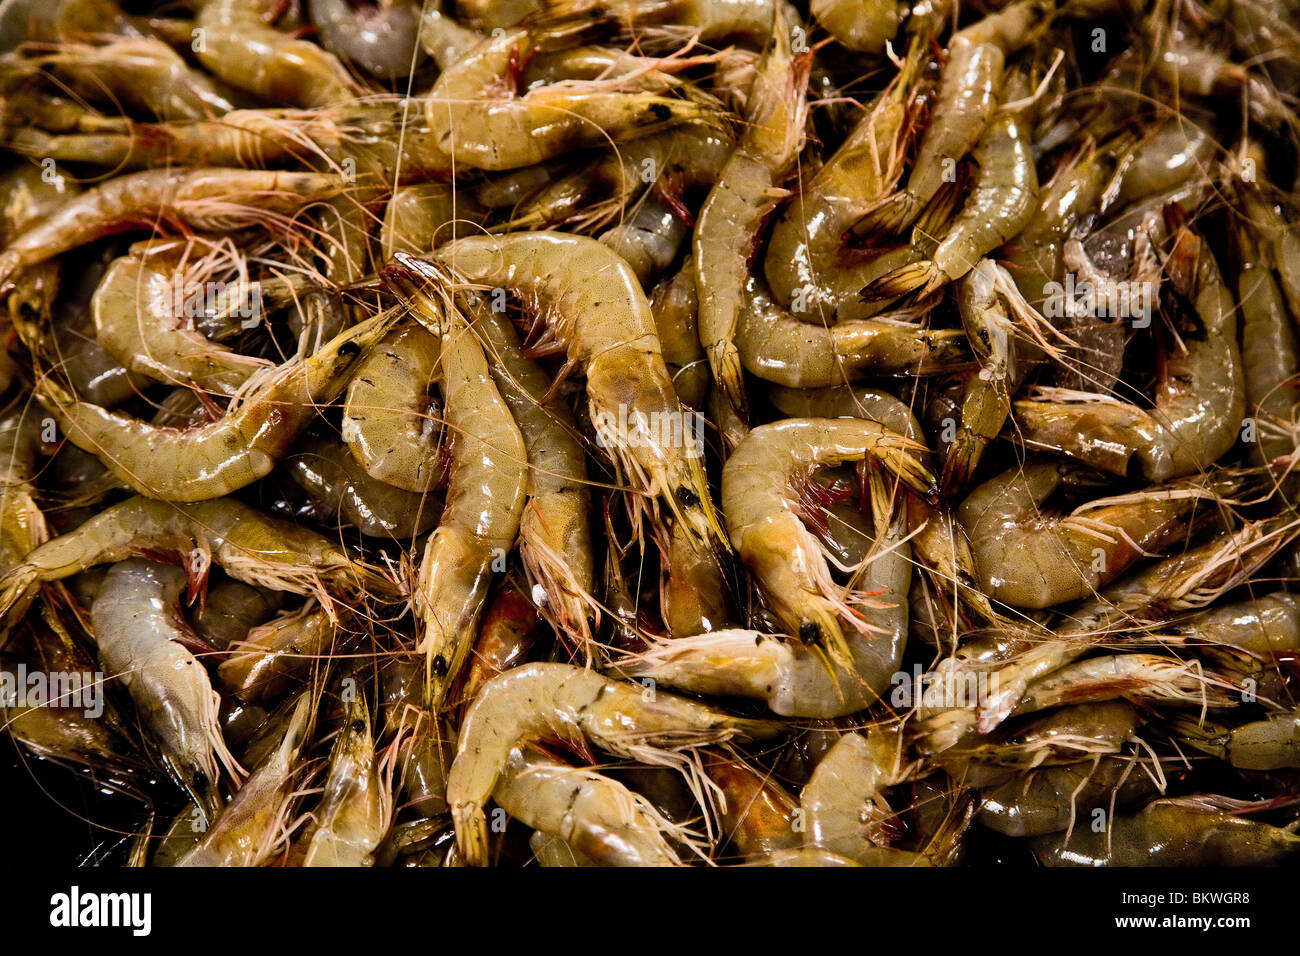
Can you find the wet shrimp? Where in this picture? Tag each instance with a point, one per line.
(604, 325)
(241, 48)
(1269, 744)
(381, 39)
(539, 701)
(843, 803)
(249, 545)
(861, 25)
(274, 658)
(207, 461)
(727, 230)
(758, 815)
(485, 484)
(141, 636)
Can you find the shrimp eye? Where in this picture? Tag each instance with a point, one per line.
(349, 350)
(687, 497)
(810, 633)
(661, 111)
(439, 666)
(358, 727)
(200, 782)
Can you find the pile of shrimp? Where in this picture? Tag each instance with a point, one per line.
(656, 432)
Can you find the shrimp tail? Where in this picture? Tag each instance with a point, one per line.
(921, 278)
(889, 217)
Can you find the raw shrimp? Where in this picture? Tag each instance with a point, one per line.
(758, 815)
(727, 231)
(964, 105)
(1199, 399)
(240, 47)
(777, 347)
(760, 484)
(596, 816)
(207, 461)
(391, 418)
(230, 609)
(843, 803)
(539, 701)
(215, 199)
(1171, 833)
(357, 807)
(22, 523)
(508, 631)
(693, 598)
(554, 530)
(509, 131)
(1028, 557)
(250, 546)
(418, 218)
(141, 638)
(333, 479)
(274, 658)
(588, 303)
(445, 40)
(485, 486)
(253, 823)
(673, 305)
(794, 678)
(861, 25)
(672, 22)
(1269, 744)
(139, 310)
(380, 38)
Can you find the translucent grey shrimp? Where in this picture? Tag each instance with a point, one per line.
(381, 39)
(272, 659)
(207, 461)
(1049, 799)
(1269, 744)
(843, 803)
(329, 473)
(861, 25)
(425, 215)
(538, 701)
(140, 631)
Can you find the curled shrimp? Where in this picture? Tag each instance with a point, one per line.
(657, 23)
(843, 803)
(250, 546)
(1269, 744)
(391, 417)
(1198, 403)
(197, 198)
(511, 131)
(485, 486)
(758, 814)
(604, 325)
(1029, 557)
(539, 701)
(240, 47)
(728, 225)
(269, 660)
(140, 634)
(861, 25)
(207, 461)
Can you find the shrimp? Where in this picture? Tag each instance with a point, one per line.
(230, 609)
(252, 824)
(357, 808)
(1171, 833)
(139, 72)
(207, 461)
(418, 218)
(604, 324)
(777, 347)
(485, 490)
(554, 530)
(22, 523)
(380, 39)
(1131, 676)
(1027, 557)
(216, 199)
(1199, 400)
(669, 23)
(333, 479)
(138, 310)
(727, 231)
(673, 304)
(445, 40)
(597, 817)
(539, 701)
(758, 816)
(864, 26)
(1000, 204)
(509, 629)
(797, 678)
(272, 659)
(250, 546)
(843, 803)
(759, 484)
(693, 599)
(241, 48)
(140, 634)
(1050, 799)
(391, 418)
(1269, 744)
(987, 401)
(510, 131)
(964, 105)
